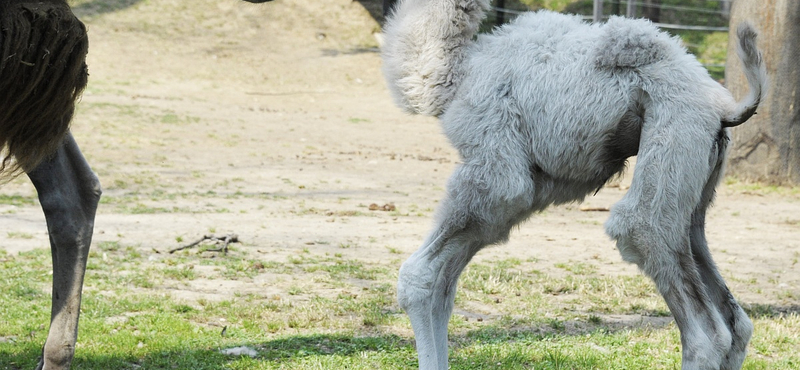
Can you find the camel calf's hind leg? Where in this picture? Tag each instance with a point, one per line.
(658, 226)
(69, 193)
(734, 316)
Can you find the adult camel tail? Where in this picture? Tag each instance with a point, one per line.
(43, 71)
(425, 42)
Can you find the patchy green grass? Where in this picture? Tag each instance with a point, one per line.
(17, 200)
(341, 314)
(749, 187)
(19, 235)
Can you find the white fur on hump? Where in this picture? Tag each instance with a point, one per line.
(634, 43)
(424, 44)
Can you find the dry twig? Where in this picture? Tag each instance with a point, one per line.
(224, 240)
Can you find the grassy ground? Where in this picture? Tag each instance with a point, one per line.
(547, 322)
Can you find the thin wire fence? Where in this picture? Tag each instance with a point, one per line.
(639, 5)
(674, 7)
(503, 14)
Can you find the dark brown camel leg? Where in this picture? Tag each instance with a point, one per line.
(69, 193)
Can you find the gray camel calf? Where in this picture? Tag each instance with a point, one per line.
(544, 111)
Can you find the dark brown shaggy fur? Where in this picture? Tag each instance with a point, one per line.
(43, 71)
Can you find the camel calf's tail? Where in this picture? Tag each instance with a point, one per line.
(424, 46)
(43, 71)
(754, 71)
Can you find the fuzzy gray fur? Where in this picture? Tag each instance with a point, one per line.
(544, 111)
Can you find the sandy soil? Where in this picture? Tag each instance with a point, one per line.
(273, 122)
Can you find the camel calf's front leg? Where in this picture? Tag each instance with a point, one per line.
(69, 193)
(479, 210)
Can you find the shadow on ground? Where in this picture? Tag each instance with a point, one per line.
(390, 350)
(375, 9)
(387, 351)
(97, 7)
(768, 311)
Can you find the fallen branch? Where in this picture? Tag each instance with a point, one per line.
(225, 240)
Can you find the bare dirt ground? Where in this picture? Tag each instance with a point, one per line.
(273, 121)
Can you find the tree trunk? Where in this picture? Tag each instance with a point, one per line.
(767, 148)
